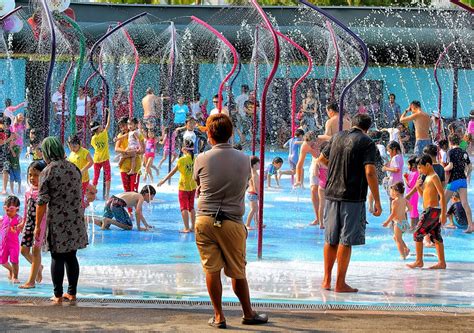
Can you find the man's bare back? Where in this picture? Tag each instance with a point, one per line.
(332, 126)
(151, 105)
(131, 198)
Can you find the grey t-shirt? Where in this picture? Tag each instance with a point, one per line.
(222, 174)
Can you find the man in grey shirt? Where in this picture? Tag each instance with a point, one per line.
(222, 175)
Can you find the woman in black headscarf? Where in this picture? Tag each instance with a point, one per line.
(60, 192)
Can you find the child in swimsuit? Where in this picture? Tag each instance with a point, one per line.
(166, 146)
(150, 147)
(10, 227)
(31, 247)
(252, 193)
(323, 178)
(410, 181)
(398, 217)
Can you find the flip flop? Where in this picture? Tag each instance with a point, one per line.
(257, 319)
(212, 322)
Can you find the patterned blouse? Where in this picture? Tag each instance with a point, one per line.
(60, 188)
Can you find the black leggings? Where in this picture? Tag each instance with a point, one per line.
(58, 261)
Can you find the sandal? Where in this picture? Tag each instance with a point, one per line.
(212, 322)
(257, 319)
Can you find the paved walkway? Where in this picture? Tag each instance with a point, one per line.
(48, 318)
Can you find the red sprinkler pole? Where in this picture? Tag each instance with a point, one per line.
(234, 55)
(276, 61)
(441, 56)
(255, 87)
(298, 82)
(134, 75)
(338, 59)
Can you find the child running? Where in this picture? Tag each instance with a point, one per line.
(116, 214)
(398, 217)
(81, 158)
(165, 141)
(11, 225)
(432, 216)
(187, 185)
(294, 146)
(252, 192)
(410, 180)
(322, 172)
(150, 147)
(31, 245)
(100, 143)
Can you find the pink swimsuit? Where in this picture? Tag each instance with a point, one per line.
(323, 176)
(10, 245)
(150, 148)
(412, 178)
(19, 130)
(166, 147)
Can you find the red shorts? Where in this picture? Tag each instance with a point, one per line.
(186, 200)
(97, 168)
(130, 182)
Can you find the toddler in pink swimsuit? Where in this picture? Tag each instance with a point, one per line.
(9, 231)
(410, 180)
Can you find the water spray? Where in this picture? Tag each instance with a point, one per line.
(440, 93)
(47, 88)
(363, 51)
(135, 72)
(338, 59)
(263, 108)
(232, 50)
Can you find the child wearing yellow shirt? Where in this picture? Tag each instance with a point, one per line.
(81, 158)
(100, 143)
(187, 185)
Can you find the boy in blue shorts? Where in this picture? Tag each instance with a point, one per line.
(115, 209)
(272, 170)
(459, 168)
(14, 170)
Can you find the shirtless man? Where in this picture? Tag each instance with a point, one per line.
(434, 213)
(115, 209)
(422, 123)
(332, 124)
(152, 107)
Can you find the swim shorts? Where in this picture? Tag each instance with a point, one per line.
(222, 247)
(420, 144)
(455, 185)
(15, 175)
(150, 155)
(10, 251)
(115, 209)
(344, 222)
(429, 224)
(186, 200)
(252, 196)
(313, 178)
(402, 225)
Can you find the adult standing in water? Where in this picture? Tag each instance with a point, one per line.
(152, 107)
(60, 191)
(222, 175)
(350, 156)
(391, 110)
(421, 121)
(332, 124)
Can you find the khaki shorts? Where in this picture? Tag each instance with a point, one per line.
(222, 247)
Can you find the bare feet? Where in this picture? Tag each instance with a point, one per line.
(39, 275)
(27, 285)
(469, 231)
(69, 297)
(440, 265)
(345, 288)
(185, 231)
(250, 228)
(321, 226)
(326, 285)
(15, 280)
(57, 300)
(450, 226)
(416, 264)
(315, 222)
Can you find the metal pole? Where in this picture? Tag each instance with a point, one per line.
(255, 87)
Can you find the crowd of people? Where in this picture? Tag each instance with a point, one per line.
(347, 169)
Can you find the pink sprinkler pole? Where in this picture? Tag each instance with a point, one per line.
(255, 87)
(298, 82)
(263, 109)
(338, 59)
(441, 56)
(234, 54)
(135, 72)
